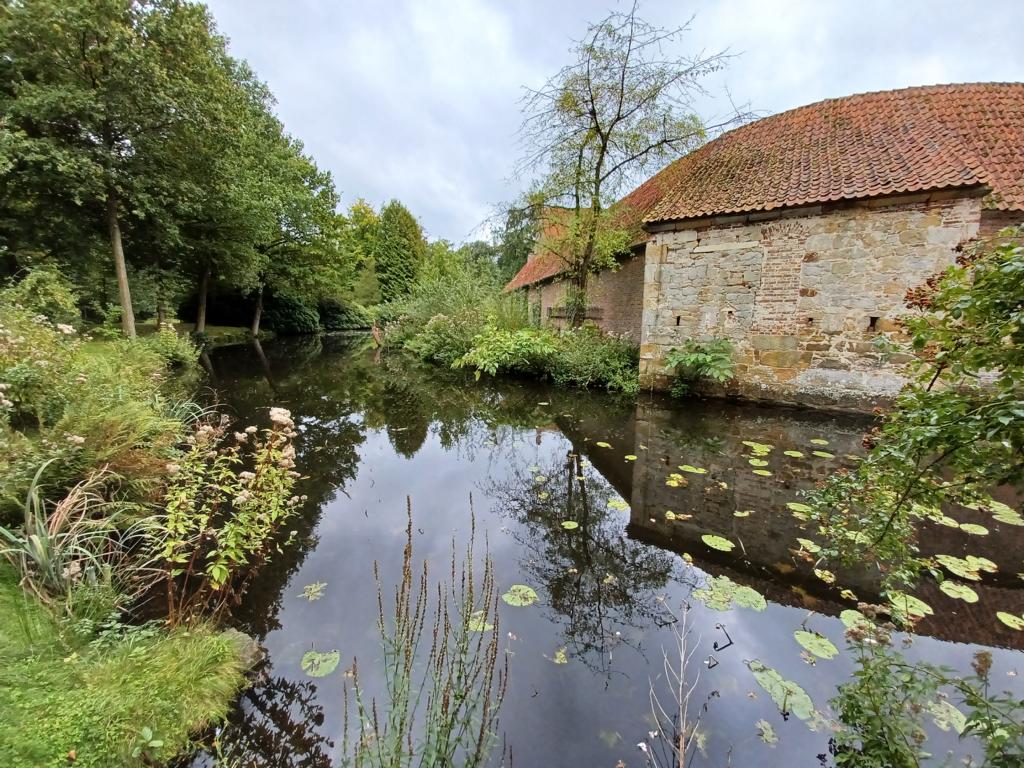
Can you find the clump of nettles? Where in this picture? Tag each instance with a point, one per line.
(229, 499)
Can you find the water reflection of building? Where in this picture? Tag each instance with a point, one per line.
(664, 436)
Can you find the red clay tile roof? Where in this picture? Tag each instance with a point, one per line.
(543, 262)
(871, 144)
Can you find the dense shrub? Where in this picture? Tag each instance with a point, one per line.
(336, 315)
(44, 292)
(289, 315)
(523, 351)
(588, 358)
(446, 339)
(700, 360)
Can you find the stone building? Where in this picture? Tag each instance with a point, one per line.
(798, 235)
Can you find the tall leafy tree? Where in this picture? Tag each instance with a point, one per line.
(97, 97)
(621, 110)
(400, 251)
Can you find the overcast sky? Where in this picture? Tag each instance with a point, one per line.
(419, 99)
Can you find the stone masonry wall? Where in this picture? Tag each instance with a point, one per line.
(616, 296)
(806, 297)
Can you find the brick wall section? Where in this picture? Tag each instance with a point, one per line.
(993, 221)
(617, 296)
(805, 295)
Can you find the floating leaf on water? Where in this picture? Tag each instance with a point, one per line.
(946, 716)
(570, 525)
(540, 479)
(759, 449)
(748, 597)
(848, 594)
(817, 644)
(609, 579)
(722, 592)
(717, 542)
(794, 454)
(974, 529)
(602, 444)
(534, 468)
(823, 454)
(909, 606)
(520, 595)
(693, 470)
(1011, 620)
(959, 591)
(852, 618)
(670, 515)
(314, 591)
(827, 576)
(797, 506)
(818, 441)
(762, 472)
(758, 463)
(618, 504)
(478, 622)
(945, 520)
(809, 546)
(317, 664)
(743, 513)
(560, 657)
(787, 695)
(766, 732)
(630, 457)
(543, 495)
(543, 403)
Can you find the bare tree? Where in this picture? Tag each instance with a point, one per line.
(619, 112)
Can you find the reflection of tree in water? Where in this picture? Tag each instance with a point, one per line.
(275, 725)
(596, 578)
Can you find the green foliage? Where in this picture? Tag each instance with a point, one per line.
(588, 358)
(882, 710)
(400, 251)
(710, 360)
(173, 348)
(64, 689)
(45, 292)
(286, 314)
(497, 350)
(957, 429)
(337, 315)
(221, 523)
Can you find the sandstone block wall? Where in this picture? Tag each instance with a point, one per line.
(807, 296)
(616, 299)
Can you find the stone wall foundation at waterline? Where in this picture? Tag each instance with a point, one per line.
(808, 296)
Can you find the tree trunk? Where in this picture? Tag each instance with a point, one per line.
(120, 269)
(204, 289)
(257, 313)
(161, 314)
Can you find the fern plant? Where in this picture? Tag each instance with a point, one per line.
(697, 360)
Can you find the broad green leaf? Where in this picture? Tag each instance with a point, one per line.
(618, 504)
(762, 472)
(570, 525)
(766, 732)
(693, 470)
(959, 591)
(817, 644)
(797, 506)
(520, 595)
(603, 444)
(818, 441)
(317, 664)
(823, 454)
(974, 529)
(946, 716)
(787, 695)
(560, 657)
(852, 618)
(758, 463)
(630, 457)
(477, 622)
(794, 454)
(1011, 620)
(909, 606)
(717, 542)
(809, 546)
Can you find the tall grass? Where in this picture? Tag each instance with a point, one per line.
(440, 710)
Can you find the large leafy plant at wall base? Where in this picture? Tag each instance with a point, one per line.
(957, 429)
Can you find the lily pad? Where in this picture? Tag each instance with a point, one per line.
(797, 506)
(618, 504)
(787, 695)
(693, 470)
(630, 457)
(974, 529)
(570, 525)
(540, 479)
(852, 618)
(818, 441)
(717, 542)
(319, 664)
(520, 595)
(825, 575)
(809, 546)
(794, 454)
(823, 454)
(758, 463)
(722, 593)
(543, 495)
(946, 716)
(908, 606)
(560, 657)
(478, 622)
(817, 644)
(1012, 620)
(959, 591)
(314, 591)
(766, 732)
(743, 513)
(762, 472)
(602, 444)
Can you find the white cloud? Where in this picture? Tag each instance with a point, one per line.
(420, 101)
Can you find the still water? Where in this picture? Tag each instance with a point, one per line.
(379, 429)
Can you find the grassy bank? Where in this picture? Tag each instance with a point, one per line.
(103, 694)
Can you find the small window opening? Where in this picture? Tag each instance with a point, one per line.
(679, 319)
(872, 323)
(810, 321)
